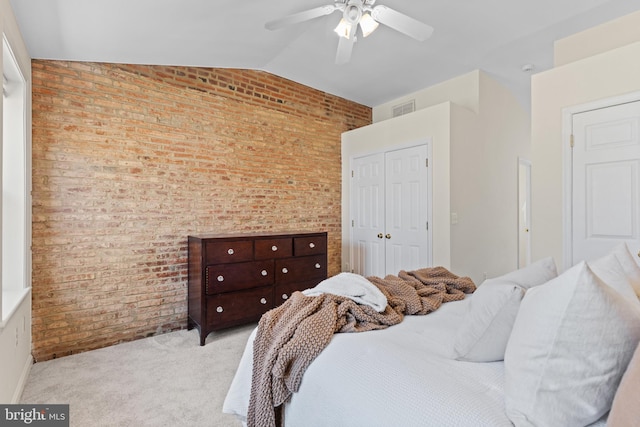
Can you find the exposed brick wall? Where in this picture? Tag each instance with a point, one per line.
(129, 160)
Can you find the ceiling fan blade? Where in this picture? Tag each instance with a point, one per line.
(345, 46)
(296, 18)
(401, 22)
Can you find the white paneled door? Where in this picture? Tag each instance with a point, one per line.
(390, 212)
(605, 179)
(368, 215)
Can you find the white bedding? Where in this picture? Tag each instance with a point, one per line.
(404, 375)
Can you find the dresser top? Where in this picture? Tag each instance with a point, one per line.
(255, 235)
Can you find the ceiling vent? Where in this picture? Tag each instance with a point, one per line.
(406, 108)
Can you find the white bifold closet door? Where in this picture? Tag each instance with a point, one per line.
(390, 222)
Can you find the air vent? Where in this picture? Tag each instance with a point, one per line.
(406, 108)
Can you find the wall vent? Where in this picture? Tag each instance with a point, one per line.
(406, 108)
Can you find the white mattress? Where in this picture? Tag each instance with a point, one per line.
(403, 375)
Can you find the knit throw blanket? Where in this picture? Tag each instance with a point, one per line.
(290, 336)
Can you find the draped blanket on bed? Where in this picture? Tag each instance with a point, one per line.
(290, 336)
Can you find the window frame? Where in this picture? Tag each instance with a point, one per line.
(15, 206)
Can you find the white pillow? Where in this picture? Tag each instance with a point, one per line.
(571, 342)
(610, 271)
(629, 264)
(533, 274)
(483, 334)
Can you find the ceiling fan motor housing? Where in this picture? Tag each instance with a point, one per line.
(353, 12)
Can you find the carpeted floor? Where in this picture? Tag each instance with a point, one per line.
(166, 380)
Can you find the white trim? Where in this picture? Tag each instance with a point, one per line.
(428, 142)
(400, 146)
(523, 162)
(22, 382)
(430, 201)
(15, 217)
(567, 163)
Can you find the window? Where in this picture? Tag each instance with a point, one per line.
(16, 228)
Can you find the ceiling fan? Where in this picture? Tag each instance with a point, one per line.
(354, 12)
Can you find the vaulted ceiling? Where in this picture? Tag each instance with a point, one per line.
(497, 36)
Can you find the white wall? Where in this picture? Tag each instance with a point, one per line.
(476, 144)
(484, 182)
(599, 39)
(462, 90)
(15, 330)
(603, 75)
(15, 354)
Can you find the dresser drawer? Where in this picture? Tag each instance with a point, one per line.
(238, 307)
(234, 277)
(218, 252)
(310, 245)
(301, 269)
(273, 248)
(283, 291)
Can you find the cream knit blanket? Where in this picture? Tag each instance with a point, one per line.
(290, 336)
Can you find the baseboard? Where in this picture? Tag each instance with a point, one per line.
(17, 394)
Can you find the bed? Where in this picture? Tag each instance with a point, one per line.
(423, 372)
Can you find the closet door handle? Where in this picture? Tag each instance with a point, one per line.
(380, 236)
(388, 236)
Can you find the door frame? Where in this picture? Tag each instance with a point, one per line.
(522, 162)
(394, 147)
(567, 164)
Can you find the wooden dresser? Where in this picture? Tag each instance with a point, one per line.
(235, 278)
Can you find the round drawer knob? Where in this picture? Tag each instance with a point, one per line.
(285, 270)
(219, 309)
(221, 278)
(230, 251)
(263, 300)
(263, 272)
(274, 248)
(285, 296)
(312, 245)
(318, 265)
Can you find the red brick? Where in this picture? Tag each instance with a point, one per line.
(128, 160)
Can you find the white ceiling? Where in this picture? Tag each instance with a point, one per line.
(497, 36)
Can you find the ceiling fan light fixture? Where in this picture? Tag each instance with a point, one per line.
(343, 29)
(357, 12)
(367, 24)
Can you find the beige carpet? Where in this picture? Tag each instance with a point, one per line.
(166, 380)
